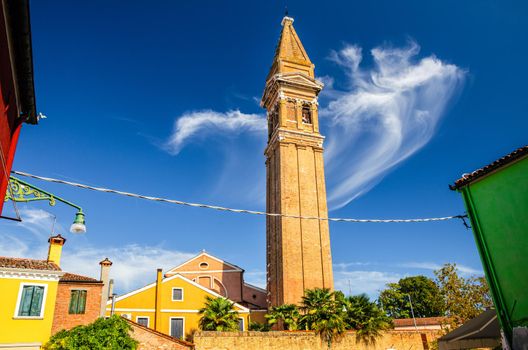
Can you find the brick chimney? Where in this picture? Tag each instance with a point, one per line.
(55, 249)
(105, 273)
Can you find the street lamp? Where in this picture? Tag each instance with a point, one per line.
(79, 225)
(21, 191)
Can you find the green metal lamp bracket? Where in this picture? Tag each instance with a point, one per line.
(21, 191)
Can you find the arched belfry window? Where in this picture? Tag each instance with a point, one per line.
(273, 120)
(307, 114)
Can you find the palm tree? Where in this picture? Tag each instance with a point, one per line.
(323, 313)
(287, 313)
(366, 318)
(218, 314)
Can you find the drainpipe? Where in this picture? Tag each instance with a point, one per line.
(157, 314)
(112, 311)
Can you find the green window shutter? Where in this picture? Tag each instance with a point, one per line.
(25, 301)
(36, 301)
(31, 301)
(81, 306)
(77, 301)
(74, 298)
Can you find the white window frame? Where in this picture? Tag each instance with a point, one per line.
(127, 316)
(243, 324)
(148, 320)
(172, 293)
(19, 299)
(183, 326)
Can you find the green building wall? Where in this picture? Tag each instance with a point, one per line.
(497, 205)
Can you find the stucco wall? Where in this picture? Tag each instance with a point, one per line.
(309, 341)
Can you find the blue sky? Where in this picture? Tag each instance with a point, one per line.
(163, 100)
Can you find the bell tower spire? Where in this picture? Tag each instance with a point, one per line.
(298, 250)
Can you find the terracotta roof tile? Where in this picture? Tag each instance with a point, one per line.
(72, 277)
(468, 178)
(31, 264)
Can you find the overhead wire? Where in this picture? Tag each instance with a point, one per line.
(233, 210)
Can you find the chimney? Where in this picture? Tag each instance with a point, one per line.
(157, 315)
(55, 249)
(111, 287)
(105, 272)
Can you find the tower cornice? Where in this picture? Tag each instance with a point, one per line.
(300, 138)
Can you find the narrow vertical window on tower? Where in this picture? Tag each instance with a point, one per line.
(307, 114)
(270, 124)
(273, 121)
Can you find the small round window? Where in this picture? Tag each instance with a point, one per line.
(204, 265)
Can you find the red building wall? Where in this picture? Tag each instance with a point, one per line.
(62, 319)
(9, 122)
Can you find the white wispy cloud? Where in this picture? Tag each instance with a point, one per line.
(364, 282)
(463, 269)
(193, 125)
(38, 221)
(256, 278)
(133, 266)
(388, 113)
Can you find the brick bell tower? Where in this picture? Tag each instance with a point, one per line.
(298, 250)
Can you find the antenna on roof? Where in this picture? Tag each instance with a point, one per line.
(285, 11)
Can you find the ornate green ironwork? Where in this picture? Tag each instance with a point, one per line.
(21, 191)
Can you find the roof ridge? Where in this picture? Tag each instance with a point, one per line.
(487, 169)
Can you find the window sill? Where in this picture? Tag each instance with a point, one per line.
(28, 318)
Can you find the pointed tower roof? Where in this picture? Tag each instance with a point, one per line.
(290, 47)
(290, 50)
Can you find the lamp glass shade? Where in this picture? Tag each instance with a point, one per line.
(79, 225)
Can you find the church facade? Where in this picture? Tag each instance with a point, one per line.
(298, 249)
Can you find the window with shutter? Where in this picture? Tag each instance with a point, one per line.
(31, 301)
(77, 301)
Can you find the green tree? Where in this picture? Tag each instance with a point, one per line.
(287, 313)
(323, 312)
(464, 298)
(218, 314)
(259, 327)
(425, 295)
(366, 318)
(109, 334)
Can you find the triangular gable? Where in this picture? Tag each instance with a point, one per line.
(242, 308)
(186, 264)
(300, 78)
(167, 279)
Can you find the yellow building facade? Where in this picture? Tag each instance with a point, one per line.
(170, 305)
(29, 290)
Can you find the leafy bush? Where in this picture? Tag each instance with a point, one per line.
(104, 334)
(259, 327)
